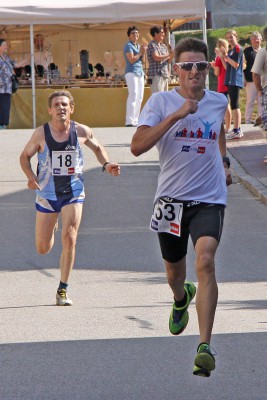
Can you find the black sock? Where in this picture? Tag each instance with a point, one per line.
(62, 285)
(181, 303)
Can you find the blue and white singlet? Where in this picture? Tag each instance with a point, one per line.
(60, 167)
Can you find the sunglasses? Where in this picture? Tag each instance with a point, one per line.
(188, 66)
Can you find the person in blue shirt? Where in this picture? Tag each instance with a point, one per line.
(134, 75)
(234, 79)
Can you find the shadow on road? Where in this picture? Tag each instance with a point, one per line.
(114, 233)
(126, 369)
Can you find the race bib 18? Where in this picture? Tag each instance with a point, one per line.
(63, 162)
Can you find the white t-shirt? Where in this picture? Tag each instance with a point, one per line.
(43, 57)
(191, 166)
(260, 66)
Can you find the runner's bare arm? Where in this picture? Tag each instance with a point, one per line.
(222, 146)
(147, 137)
(31, 148)
(222, 141)
(99, 151)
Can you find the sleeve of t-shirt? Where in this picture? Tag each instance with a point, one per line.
(237, 54)
(259, 61)
(153, 47)
(151, 113)
(218, 62)
(128, 48)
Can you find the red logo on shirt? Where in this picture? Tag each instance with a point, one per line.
(201, 149)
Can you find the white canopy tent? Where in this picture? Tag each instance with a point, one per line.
(96, 13)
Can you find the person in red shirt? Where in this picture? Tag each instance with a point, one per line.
(219, 71)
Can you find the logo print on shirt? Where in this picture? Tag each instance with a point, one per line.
(200, 133)
(199, 149)
(69, 147)
(186, 149)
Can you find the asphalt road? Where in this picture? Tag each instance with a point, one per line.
(114, 344)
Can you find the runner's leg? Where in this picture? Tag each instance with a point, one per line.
(71, 218)
(207, 293)
(44, 231)
(176, 273)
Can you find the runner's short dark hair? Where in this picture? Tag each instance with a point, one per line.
(190, 45)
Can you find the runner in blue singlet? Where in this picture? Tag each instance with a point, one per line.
(59, 180)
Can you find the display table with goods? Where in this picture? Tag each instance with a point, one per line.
(99, 102)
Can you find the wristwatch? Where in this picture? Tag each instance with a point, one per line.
(226, 160)
(104, 166)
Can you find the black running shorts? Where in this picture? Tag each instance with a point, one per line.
(198, 220)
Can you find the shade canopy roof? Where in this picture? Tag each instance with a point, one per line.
(95, 12)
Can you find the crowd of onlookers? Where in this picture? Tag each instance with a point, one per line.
(235, 68)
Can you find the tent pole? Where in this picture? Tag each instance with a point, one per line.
(204, 30)
(205, 39)
(33, 77)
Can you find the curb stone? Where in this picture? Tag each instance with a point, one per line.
(251, 183)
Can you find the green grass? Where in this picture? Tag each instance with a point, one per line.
(213, 35)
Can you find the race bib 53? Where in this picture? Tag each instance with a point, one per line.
(167, 216)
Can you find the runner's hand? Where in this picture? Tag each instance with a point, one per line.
(228, 175)
(190, 106)
(33, 184)
(113, 169)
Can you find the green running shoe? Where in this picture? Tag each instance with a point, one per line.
(179, 316)
(204, 361)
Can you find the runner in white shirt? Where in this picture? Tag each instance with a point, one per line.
(186, 125)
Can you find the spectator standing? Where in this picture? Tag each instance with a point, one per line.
(42, 56)
(251, 90)
(6, 72)
(259, 74)
(159, 56)
(219, 72)
(234, 79)
(134, 75)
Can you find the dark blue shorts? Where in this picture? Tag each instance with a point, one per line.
(55, 206)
